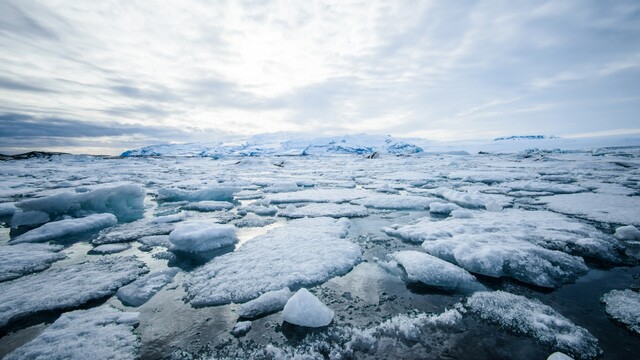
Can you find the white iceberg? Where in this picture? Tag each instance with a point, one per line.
(304, 309)
(199, 236)
(531, 318)
(304, 252)
(66, 287)
(22, 259)
(144, 288)
(66, 228)
(100, 333)
(267, 303)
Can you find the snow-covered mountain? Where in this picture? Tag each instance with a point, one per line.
(279, 145)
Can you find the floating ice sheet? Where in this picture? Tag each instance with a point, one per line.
(100, 333)
(303, 252)
(316, 195)
(199, 236)
(143, 289)
(395, 202)
(599, 207)
(23, 259)
(531, 318)
(324, 209)
(67, 228)
(624, 306)
(66, 287)
(266, 303)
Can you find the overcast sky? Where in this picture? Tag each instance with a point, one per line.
(104, 76)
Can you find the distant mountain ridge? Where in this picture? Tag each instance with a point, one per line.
(525, 137)
(261, 145)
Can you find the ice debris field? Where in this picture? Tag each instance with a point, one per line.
(333, 252)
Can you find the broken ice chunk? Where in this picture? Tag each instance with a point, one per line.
(319, 210)
(22, 259)
(66, 287)
(628, 232)
(143, 289)
(432, 271)
(100, 333)
(109, 249)
(304, 309)
(199, 236)
(442, 208)
(68, 227)
(208, 206)
(267, 303)
(395, 202)
(624, 306)
(531, 318)
(218, 193)
(241, 328)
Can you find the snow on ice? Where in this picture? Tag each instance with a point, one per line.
(531, 318)
(624, 306)
(202, 235)
(66, 287)
(304, 252)
(67, 228)
(99, 333)
(606, 208)
(23, 259)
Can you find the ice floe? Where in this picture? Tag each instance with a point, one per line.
(267, 303)
(323, 209)
(304, 309)
(532, 318)
(304, 252)
(126, 202)
(624, 306)
(253, 220)
(109, 249)
(419, 267)
(395, 202)
(628, 232)
(208, 206)
(141, 290)
(599, 207)
(542, 228)
(66, 287)
(442, 208)
(241, 328)
(215, 193)
(23, 259)
(316, 195)
(100, 333)
(473, 198)
(67, 228)
(202, 235)
(544, 186)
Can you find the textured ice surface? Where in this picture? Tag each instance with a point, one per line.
(22, 259)
(628, 232)
(110, 248)
(29, 218)
(599, 207)
(155, 240)
(432, 271)
(304, 309)
(266, 303)
(531, 318)
(124, 201)
(543, 186)
(215, 193)
(133, 231)
(66, 287)
(395, 202)
(543, 228)
(497, 255)
(67, 228)
(473, 198)
(316, 195)
(624, 306)
(198, 236)
(442, 208)
(304, 252)
(100, 333)
(324, 209)
(253, 220)
(259, 210)
(208, 206)
(143, 289)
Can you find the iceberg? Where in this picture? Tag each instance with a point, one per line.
(304, 309)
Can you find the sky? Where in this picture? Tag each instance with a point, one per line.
(105, 76)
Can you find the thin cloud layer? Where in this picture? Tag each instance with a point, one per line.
(133, 72)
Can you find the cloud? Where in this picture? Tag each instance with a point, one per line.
(446, 70)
